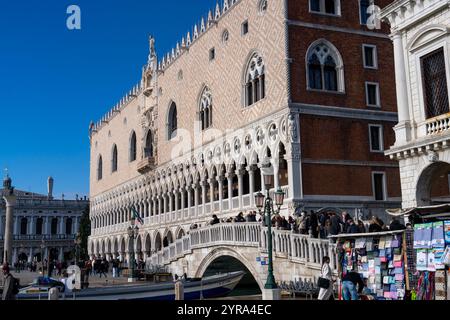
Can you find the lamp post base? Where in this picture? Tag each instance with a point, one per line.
(271, 294)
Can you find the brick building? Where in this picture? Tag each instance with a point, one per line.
(301, 84)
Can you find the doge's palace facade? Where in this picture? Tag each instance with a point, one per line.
(191, 138)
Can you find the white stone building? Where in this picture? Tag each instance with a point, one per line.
(421, 36)
(43, 226)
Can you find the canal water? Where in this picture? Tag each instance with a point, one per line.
(247, 287)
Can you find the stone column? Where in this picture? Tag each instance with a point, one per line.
(276, 169)
(295, 176)
(211, 194)
(31, 226)
(220, 181)
(10, 200)
(154, 206)
(203, 196)
(165, 203)
(189, 194)
(403, 129)
(61, 254)
(159, 205)
(195, 187)
(240, 187)
(30, 256)
(263, 186)
(16, 225)
(182, 199)
(61, 225)
(76, 224)
(47, 223)
(175, 194)
(251, 175)
(230, 176)
(170, 195)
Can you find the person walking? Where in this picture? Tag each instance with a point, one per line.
(349, 282)
(326, 293)
(102, 268)
(9, 288)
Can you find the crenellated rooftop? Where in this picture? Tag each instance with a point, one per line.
(181, 46)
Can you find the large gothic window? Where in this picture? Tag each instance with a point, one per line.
(255, 80)
(172, 121)
(133, 147)
(114, 159)
(100, 168)
(434, 81)
(205, 112)
(148, 150)
(325, 68)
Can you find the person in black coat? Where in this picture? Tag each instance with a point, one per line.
(335, 224)
(374, 225)
(396, 225)
(352, 227)
(314, 224)
(215, 220)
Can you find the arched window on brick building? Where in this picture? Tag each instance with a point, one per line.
(325, 67)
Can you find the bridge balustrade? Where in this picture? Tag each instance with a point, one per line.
(296, 247)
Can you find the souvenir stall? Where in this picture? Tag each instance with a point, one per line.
(429, 252)
(380, 259)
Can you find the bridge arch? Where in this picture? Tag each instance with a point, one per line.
(224, 252)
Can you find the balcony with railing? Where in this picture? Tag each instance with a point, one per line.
(148, 163)
(438, 125)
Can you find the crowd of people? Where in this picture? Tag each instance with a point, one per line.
(316, 224)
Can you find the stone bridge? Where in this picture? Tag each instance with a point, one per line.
(294, 255)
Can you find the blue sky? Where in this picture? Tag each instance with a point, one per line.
(54, 81)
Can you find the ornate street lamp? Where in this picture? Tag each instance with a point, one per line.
(266, 203)
(133, 231)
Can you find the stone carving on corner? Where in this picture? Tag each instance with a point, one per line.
(292, 129)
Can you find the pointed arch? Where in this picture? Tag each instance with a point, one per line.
(172, 121)
(254, 80)
(157, 242)
(133, 145)
(325, 67)
(148, 148)
(205, 108)
(100, 168)
(114, 157)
